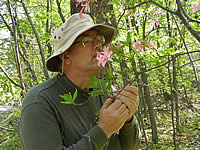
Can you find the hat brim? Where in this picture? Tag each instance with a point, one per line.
(52, 63)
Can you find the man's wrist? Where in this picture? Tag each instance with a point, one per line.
(130, 120)
(105, 132)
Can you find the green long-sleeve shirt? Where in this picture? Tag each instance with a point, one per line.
(47, 124)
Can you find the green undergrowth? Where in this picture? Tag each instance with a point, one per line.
(187, 138)
(9, 137)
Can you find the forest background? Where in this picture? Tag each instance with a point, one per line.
(157, 48)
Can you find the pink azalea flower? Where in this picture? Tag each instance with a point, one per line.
(104, 57)
(157, 11)
(83, 5)
(81, 12)
(124, 1)
(100, 59)
(195, 8)
(138, 46)
(78, 1)
(118, 46)
(148, 44)
(155, 21)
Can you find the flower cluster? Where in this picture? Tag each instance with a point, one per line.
(155, 19)
(139, 45)
(104, 56)
(84, 4)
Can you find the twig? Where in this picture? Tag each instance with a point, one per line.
(167, 9)
(60, 11)
(9, 28)
(9, 77)
(190, 57)
(19, 69)
(188, 63)
(6, 129)
(118, 92)
(6, 118)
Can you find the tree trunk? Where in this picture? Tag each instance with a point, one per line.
(175, 95)
(48, 29)
(172, 106)
(99, 10)
(148, 100)
(147, 95)
(123, 67)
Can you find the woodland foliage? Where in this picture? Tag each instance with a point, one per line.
(157, 49)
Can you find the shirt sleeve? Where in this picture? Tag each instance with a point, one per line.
(40, 130)
(130, 135)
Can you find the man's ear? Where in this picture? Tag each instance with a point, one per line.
(66, 57)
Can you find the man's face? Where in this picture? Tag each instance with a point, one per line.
(83, 52)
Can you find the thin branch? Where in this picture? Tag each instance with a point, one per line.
(38, 40)
(151, 1)
(167, 9)
(157, 66)
(121, 17)
(9, 28)
(139, 5)
(131, 8)
(6, 118)
(176, 55)
(9, 77)
(60, 11)
(197, 51)
(6, 129)
(153, 29)
(188, 63)
(190, 57)
(16, 46)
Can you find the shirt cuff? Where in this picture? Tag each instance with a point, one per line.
(129, 124)
(98, 136)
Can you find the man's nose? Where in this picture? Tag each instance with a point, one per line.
(97, 46)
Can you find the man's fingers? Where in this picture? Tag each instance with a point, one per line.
(115, 105)
(125, 114)
(122, 108)
(131, 89)
(107, 103)
(128, 95)
(128, 103)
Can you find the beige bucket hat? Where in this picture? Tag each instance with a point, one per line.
(67, 33)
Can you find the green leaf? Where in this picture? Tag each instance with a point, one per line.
(66, 102)
(75, 95)
(68, 99)
(128, 37)
(109, 74)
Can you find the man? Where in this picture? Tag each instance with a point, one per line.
(47, 124)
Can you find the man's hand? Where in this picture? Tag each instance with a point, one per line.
(129, 97)
(112, 117)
